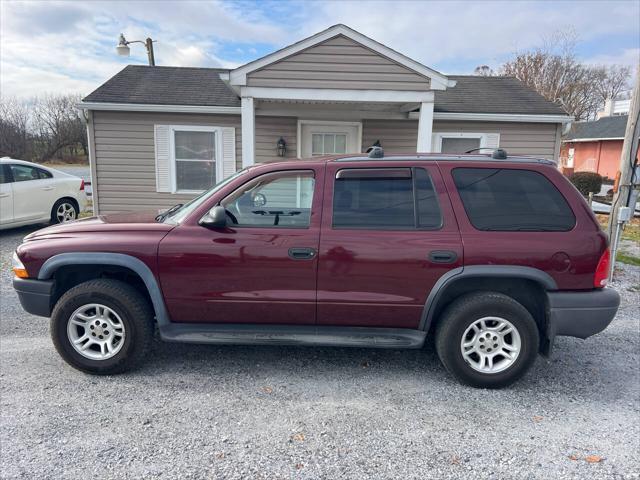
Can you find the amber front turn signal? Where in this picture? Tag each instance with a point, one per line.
(18, 267)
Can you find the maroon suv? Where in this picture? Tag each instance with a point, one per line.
(494, 255)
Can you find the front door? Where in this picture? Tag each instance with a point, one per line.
(261, 268)
(330, 138)
(388, 235)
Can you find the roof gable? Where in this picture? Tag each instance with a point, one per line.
(344, 34)
(339, 62)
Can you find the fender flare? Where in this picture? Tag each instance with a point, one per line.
(118, 259)
(476, 271)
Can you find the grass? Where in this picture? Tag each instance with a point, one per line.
(631, 230)
(628, 259)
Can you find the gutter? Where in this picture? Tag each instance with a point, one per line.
(597, 139)
(498, 117)
(142, 107)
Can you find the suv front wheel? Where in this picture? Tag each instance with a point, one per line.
(487, 339)
(102, 326)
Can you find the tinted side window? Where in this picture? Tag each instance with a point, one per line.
(24, 173)
(429, 215)
(5, 174)
(44, 174)
(512, 200)
(386, 199)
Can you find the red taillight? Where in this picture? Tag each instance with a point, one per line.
(82, 185)
(602, 270)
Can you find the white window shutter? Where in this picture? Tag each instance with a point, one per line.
(228, 151)
(163, 158)
(493, 140)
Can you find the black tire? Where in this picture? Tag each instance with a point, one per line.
(133, 310)
(466, 310)
(54, 210)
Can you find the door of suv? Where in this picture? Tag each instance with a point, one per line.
(388, 235)
(261, 268)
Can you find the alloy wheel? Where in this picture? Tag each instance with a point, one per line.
(491, 345)
(96, 332)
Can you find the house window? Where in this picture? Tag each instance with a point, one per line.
(462, 142)
(328, 143)
(194, 155)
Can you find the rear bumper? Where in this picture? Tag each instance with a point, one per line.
(35, 295)
(581, 314)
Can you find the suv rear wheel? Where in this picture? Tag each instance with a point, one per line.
(102, 326)
(487, 340)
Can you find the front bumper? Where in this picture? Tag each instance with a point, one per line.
(581, 314)
(35, 295)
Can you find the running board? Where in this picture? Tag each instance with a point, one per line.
(312, 335)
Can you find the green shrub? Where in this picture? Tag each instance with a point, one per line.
(587, 182)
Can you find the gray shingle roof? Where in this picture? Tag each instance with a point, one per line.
(476, 94)
(166, 86)
(606, 127)
(202, 86)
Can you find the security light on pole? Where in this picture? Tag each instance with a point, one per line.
(123, 48)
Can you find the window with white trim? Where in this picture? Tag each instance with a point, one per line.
(462, 142)
(328, 143)
(193, 158)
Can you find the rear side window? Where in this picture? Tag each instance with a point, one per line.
(500, 199)
(44, 174)
(385, 199)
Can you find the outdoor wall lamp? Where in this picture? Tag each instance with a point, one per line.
(281, 147)
(124, 50)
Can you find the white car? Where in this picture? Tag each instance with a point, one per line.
(31, 193)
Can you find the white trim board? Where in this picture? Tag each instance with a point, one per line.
(327, 122)
(603, 139)
(438, 80)
(140, 107)
(337, 95)
(497, 117)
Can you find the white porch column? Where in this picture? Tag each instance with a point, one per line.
(425, 127)
(248, 113)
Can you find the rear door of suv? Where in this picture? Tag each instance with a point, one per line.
(388, 234)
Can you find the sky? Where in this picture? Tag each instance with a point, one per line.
(69, 46)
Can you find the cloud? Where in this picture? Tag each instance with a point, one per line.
(69, 46)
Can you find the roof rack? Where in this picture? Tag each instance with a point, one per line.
(497, 155)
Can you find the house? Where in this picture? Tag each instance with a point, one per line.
(596, 146)
(160, 135)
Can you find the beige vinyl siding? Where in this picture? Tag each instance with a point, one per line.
(394, 135)
(125, 157)
(338, 63)
(268, 132)
(517, 138)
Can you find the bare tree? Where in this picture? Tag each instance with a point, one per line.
(484, 71)
(57, 124)
(14, 136)
(554, 71)
(611, 81)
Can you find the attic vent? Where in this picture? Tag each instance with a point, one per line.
(375, 152)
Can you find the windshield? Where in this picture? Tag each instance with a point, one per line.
(181, 213)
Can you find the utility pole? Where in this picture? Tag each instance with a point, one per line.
(149, 44)
(628, 161)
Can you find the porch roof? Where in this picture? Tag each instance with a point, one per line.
(186, 86)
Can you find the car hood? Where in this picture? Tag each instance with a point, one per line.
(134, 221)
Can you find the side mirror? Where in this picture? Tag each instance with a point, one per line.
(215, 218)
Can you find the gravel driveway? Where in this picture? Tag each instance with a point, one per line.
(275, 412)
